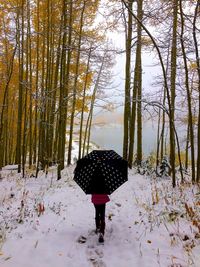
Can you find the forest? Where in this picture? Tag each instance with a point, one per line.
(64, 200)
(56, 61)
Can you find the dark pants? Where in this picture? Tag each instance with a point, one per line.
(100, 217)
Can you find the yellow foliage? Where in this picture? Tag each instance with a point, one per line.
(184, 120)
(79, 105)
(146, 41)
(183, 157)
(193, 66)
(44, 49)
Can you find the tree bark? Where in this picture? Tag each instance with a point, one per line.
(21, 86)
(127, 100)
(138, 81)
(75, 85)
(83, 105)
(190, 116)
(198, 73)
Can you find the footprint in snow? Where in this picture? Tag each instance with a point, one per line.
(95, 257)
(98, 263)
(82, 239)
(109, 232)
(94, 252)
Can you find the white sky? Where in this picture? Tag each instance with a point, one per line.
(150, 71)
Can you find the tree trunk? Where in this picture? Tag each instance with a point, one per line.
(74, 86)
(83, 105)
(48, 93)
(138, 81)
(21, 85)
(198, 73)
(90, 115)
(24, 144)
(190, 116)
(42, 115)
(4, 107)
(173, 89)
(36, 87)
(187, 147)
(55, 119)
(30, 88)
(163, 149)
(158, 139)
(64, 95)
(127, 100)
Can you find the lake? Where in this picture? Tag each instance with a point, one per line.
(110, 136)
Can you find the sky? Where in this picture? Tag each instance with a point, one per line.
(149, 71)
(117, 38)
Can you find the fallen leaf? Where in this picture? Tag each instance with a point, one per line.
(110, 216)
(36, 243)
(6, 259)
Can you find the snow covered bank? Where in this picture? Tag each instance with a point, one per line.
(147, 224)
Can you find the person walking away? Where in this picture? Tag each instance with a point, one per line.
(99, 201)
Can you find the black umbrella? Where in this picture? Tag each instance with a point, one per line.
(101, 172)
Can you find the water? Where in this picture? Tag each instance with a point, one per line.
(110, 136)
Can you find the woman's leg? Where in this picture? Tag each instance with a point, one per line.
(97, 217)
(102, 217)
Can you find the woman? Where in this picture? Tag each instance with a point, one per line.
(99, 201)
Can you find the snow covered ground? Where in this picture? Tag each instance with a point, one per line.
(148, 223)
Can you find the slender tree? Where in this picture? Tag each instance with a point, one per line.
(36, 83)
(198, 75)
(20, 41)
(138, 81)
(136, 95)
(83, 104)
(190, 115)
(30, 85)
(127, 81)
(64, 85)
(75, 83)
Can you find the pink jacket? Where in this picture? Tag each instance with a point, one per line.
(98, 199)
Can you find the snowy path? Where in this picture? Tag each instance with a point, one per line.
(131, 239)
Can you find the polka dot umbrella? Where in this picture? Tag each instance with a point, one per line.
(101, 172)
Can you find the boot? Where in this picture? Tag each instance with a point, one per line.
(101, 239)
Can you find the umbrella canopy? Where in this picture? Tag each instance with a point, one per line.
(101, 172)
